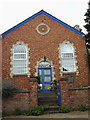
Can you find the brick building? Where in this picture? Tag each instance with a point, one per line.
(44, 45)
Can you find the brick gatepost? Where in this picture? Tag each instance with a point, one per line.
(64, 92)
(33, 92)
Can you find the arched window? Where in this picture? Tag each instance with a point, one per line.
(67, 58)
(20, 61)
(44, 64)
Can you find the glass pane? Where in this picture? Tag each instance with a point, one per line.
(68, 65)
(19, 70)
(46, 72)
(47, 79)
(20, 49)
(67, 48)
(44, 64)
(46, 86)
(21, 63)
(67, 55)
(40, 72)
(19, 56)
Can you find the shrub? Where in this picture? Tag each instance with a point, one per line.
(82, 108)
(4, 114)
(8, 88)
(17, 112)
(64, 109)
(39, 110)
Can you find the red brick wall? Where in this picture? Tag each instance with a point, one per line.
(19, 100)
(78, 97)
(73, 97)
(46, 45)
(22, 100)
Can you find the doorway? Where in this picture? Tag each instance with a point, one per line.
(45, 73)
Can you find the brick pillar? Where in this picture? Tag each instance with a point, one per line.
(33, 92)
(64, 92)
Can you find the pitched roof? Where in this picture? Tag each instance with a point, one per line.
(47, 14)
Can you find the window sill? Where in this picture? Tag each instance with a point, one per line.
(20, 74)
(68, 72)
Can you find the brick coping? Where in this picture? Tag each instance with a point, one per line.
(79, 88)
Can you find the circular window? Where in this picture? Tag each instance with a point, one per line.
(42, 29)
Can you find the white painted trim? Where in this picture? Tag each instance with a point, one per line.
(76, 63)
(27, 55)
(42, 59)
(37, 29)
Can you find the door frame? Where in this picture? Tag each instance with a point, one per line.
(43, 78)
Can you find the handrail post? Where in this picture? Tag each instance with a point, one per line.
(59, 94)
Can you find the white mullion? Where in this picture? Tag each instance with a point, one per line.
(19, 67)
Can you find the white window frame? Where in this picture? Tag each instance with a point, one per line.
(62, 58)
(19, 60)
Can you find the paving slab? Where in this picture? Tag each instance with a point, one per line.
(75, 114)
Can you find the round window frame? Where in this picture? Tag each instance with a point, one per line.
(42, 33)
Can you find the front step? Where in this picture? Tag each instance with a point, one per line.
(47, 98)
(52, 109)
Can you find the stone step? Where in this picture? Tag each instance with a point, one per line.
(50, 98)
(46, 93)
(48, 101)
(48, 104)
(47, 98)
(52, 109)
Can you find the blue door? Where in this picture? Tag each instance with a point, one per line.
(45, 77)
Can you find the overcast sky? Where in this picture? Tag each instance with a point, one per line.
(13, 12)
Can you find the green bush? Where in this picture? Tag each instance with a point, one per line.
(4, 114)
(8, 88)
(17, 112)
(64, 109)
(82, 108)
(39, 110)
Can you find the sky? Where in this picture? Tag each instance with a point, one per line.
(13, 12)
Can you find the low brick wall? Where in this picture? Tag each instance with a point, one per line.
(24, 99)
(79, 96)
(18, 100)
(72, 97)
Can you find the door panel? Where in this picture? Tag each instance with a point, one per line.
(46, 78)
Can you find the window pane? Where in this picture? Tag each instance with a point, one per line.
(46, 72)
(20, 49)
(40, 72)
(47, 79)
(18, 63)
(19, 70)
(44, 64)
(19, 59)
(67, 48)
(68, 65)
(19, 56)
(67, 55)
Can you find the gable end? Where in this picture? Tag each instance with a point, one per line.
(47, 14)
